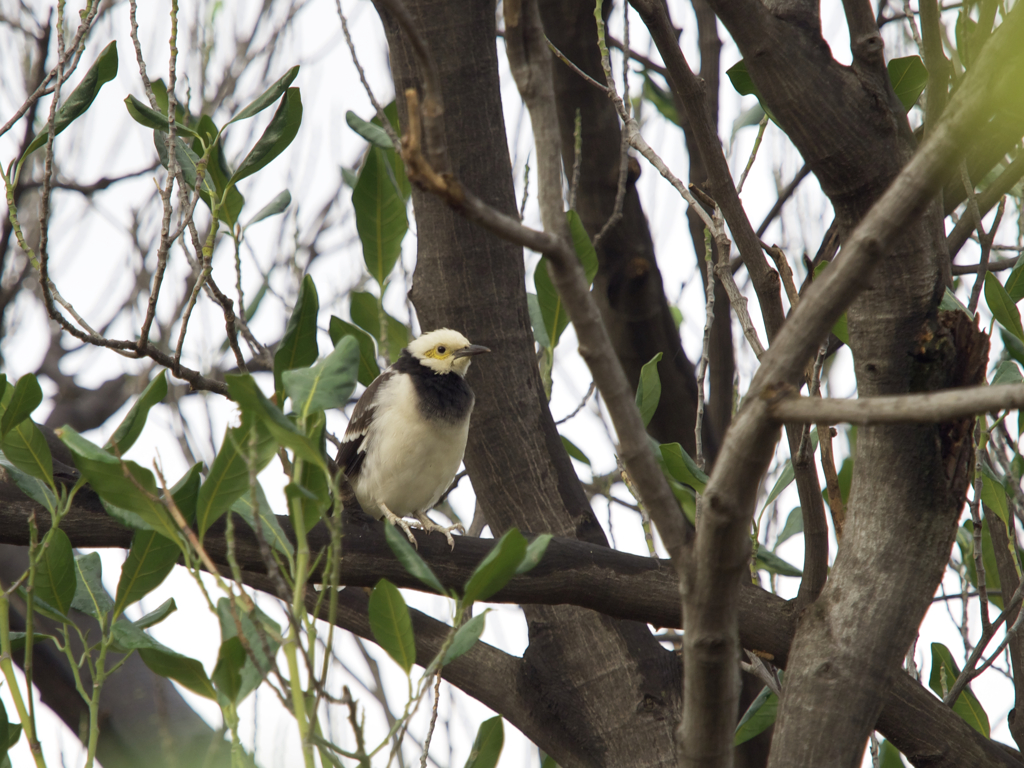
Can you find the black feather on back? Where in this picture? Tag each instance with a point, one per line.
(349, 456)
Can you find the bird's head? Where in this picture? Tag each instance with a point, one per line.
(445, 351)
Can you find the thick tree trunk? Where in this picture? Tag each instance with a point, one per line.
(608, 689)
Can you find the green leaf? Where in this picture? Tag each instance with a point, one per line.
(909, 77)
(298, 348)
(25, 398)
(681, 467)
(130, 428)
(788, 473)
(1002, 306)
(90, 595)
(497, 568)
(365, 311)
(188, 672)
(662, 100)
(268, 97)
(759, 716)
(794, 525)
(553, 313)
(490, 738)
(582, 245)
(993, 495)
(372, 133)
(278, 205)
(106, 475)
(275, 139)
(944, 674)
(262, 635)
(188, 162)
(391, 624)
(648, 390)
(744, 85)
(102, 71)
(269, 526)
(540, 333)
(889, 756)
(229, 474)
(465, 638)
(145, 115)
(161, 612)
(574, 451)
(767, 560)
(1015, 282)
(410, 559)
(381, 219)
(245, 392)
(328, 384)
(33, 487)
(368, 368)
(26, 448)
(227, 675)
(150, 559)
(217, 171)
(951, 303)
(1007, 373)
(55, 576)
(534, 553)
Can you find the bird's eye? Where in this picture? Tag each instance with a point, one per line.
(441, 350)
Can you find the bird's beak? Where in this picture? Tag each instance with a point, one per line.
(472, 349)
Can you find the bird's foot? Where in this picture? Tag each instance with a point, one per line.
(400, 522)
(429, 525)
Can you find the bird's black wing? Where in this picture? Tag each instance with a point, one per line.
(350, 457)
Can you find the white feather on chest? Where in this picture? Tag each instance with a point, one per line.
(409, 461)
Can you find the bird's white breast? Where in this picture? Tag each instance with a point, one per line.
(410, 461)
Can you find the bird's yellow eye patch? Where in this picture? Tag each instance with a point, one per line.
(440, 352)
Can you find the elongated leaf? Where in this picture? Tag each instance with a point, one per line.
(146, 116)
(268, 97)
(188, 672)
(150, 559)
(951, 303)
(381, 219)
(534, 553)
(33, 487)
(556, 319)
(540, 333)
(365, 312)
(1015, 282)
(55, 576)
(26, 448)
(411, 560)
(25, 398)
(759, 716)
(161, 612)
(102, 71)
(106, 475)
(944, 674)
(573, 450)
(227, 675)
(130, 428)
(794, 525)
(681, 467)
(246, 393)
(262, 636)
(269, 527)
(909, 77)
(217, 171)
(275, 139)
(278, 205)
(90, 595)
(581, 243)
(229, 473)
(298, 347)
(994, 495)
(372, 133)
(744, 85)
(1002, 306)
(391, 624)
(328, 384)
(466, 637)
(1007, 373)
(497, 568)
(490, 738)
(648, 391)
(768, 561)
(368, 368)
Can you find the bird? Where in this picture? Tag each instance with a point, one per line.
(407, 435)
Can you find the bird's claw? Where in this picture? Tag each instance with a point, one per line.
(429, 525)
(395, 520)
